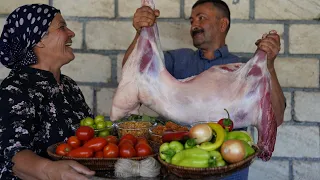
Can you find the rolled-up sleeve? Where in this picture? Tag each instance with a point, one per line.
(17, 116)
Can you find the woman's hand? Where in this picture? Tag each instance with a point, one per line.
(66, 169)
(28, 165)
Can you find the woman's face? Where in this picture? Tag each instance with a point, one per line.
(57, 42)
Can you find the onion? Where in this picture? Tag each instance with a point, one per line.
(201, 133)
(233, 151)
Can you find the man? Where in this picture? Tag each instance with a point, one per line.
(210, 22)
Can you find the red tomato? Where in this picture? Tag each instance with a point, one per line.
(127, 151)
(96, 143)
(83, 142)
(112, 139)
(81, 152)
(143, 149)
(63, 149)
(74, 142)
(142, 140)
(130, 137)
(98, 154)
(85, 133)
(111, 151)
(125, 141)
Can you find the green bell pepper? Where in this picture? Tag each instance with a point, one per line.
(190, 143)
(193, 157)
(240, 135)
(248, 149)
(168, 150)
(196, 163)
(217, 159)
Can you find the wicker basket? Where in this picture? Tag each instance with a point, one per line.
(214, 173)
(98, 164)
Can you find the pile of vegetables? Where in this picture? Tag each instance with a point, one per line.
(206, 145)
(86, 145)
(101, 126)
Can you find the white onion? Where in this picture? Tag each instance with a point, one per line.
(201, 133)
(233, 151)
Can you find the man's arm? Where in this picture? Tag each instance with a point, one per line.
(130, 49)
(277, 97)
(143, 17)
(270, 43)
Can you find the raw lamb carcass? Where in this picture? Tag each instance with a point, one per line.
(243, 89)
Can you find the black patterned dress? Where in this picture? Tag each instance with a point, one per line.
(36, 112)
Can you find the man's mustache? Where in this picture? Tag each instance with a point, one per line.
(196, 31)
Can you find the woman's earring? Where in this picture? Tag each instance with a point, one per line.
(40, 44)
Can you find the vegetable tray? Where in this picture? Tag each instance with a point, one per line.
(214, 172)
(98, 164)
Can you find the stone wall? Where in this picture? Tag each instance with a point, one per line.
(104, 30)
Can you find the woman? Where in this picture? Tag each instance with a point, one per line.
(38, 104)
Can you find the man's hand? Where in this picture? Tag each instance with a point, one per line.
(270, 43)
(66, 169)
(144, 17)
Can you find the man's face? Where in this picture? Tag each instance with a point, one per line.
(205, 25)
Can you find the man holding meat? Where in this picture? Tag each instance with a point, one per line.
(210, 23)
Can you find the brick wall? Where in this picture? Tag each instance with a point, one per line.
(104, 30)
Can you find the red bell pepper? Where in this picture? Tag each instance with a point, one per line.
(168, 136)
(226, 123)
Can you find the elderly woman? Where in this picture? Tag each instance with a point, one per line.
(38, 104)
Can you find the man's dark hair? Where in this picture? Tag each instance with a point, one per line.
(219, 4)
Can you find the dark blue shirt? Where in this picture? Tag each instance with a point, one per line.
(183, 63)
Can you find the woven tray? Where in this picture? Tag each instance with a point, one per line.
(214, 173)
(98, 164)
